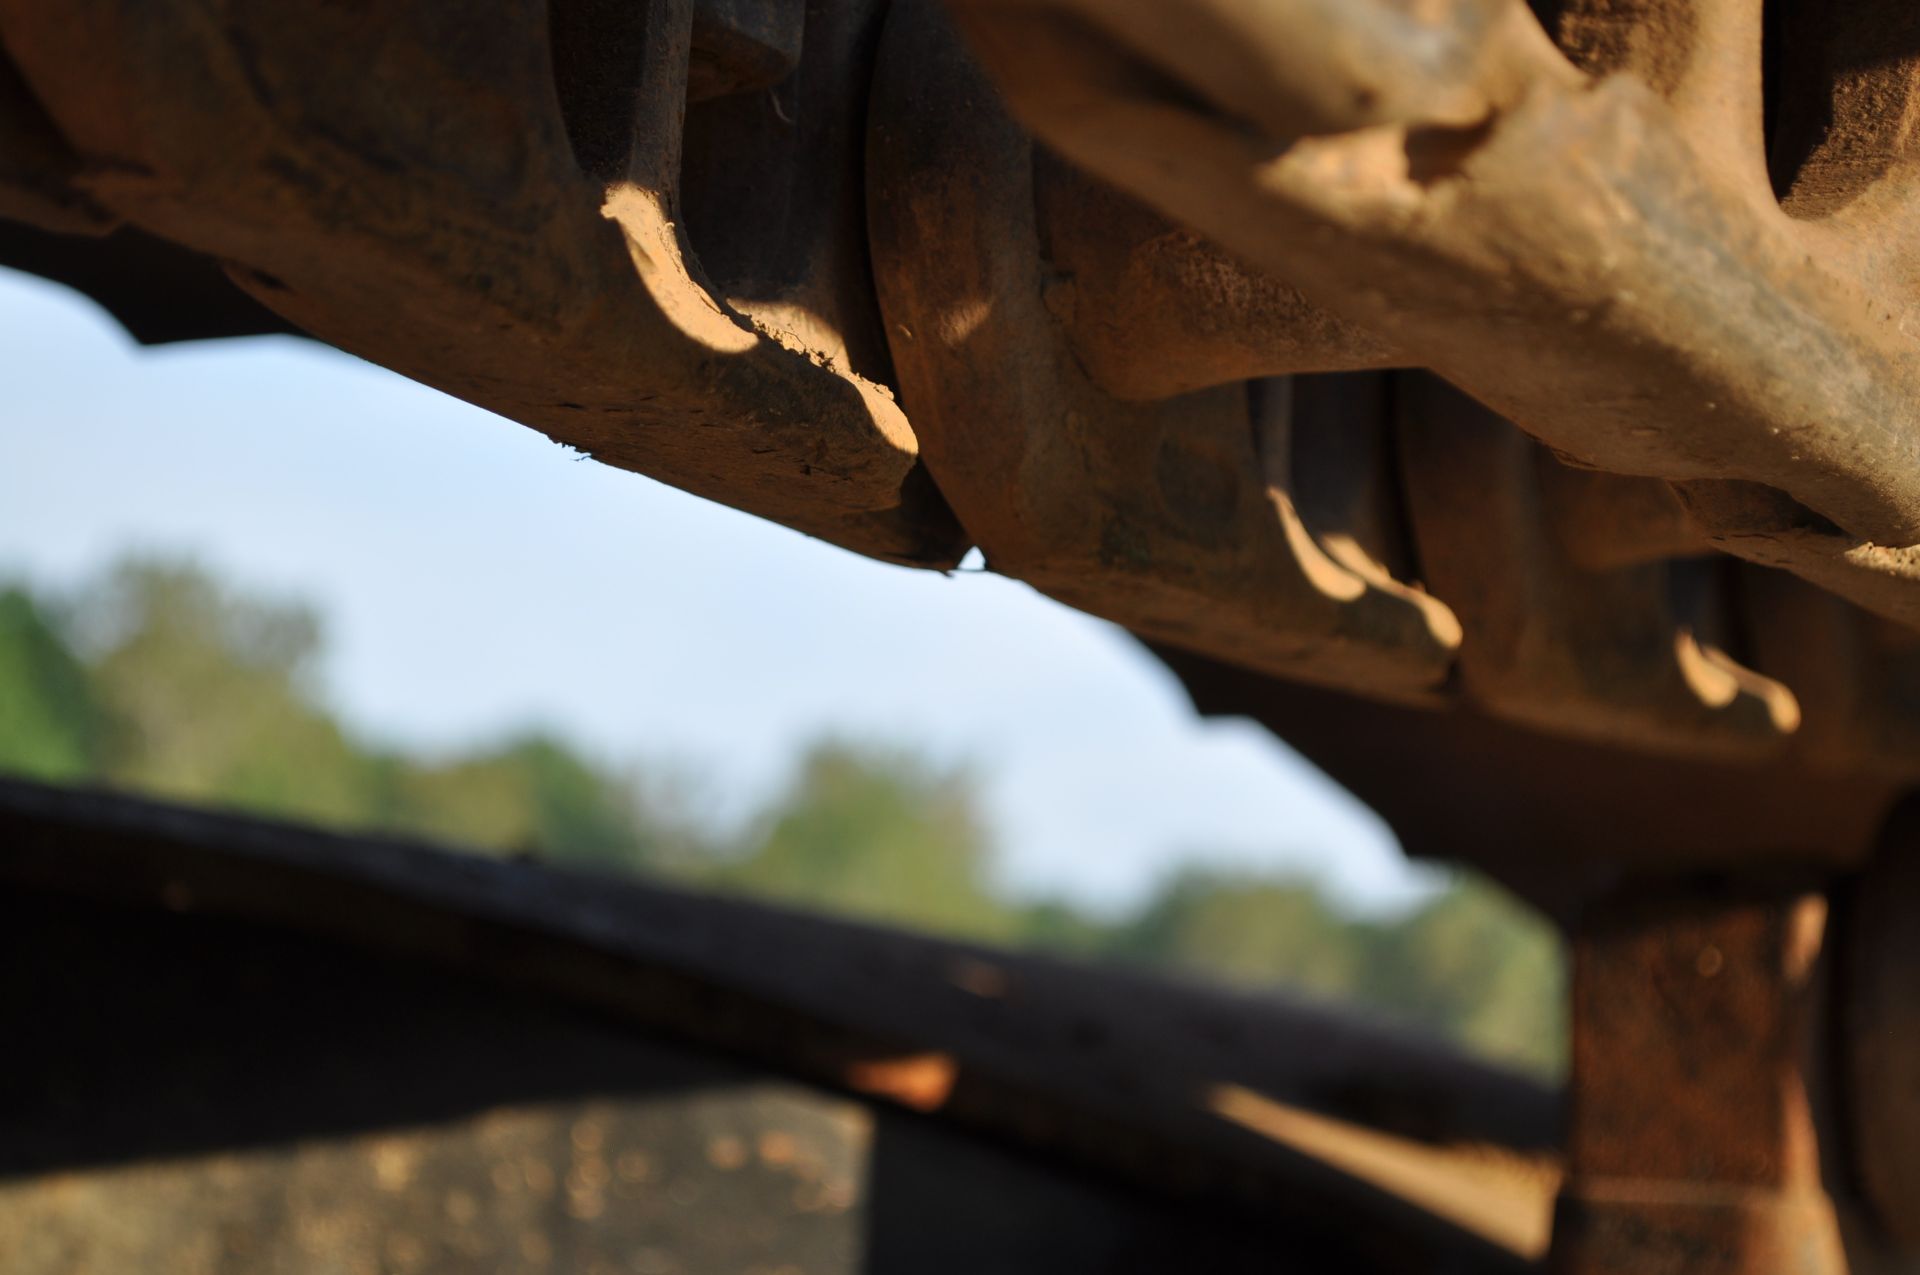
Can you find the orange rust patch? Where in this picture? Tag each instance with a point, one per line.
(920, 1081)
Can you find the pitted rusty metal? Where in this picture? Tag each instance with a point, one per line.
(1151, 309)
(1877, 1036)
(1588, 241)
(1604, 653)
(743, 46)
(1691, 1141)
(38, 170)
(1584, 237)
(1174, 516)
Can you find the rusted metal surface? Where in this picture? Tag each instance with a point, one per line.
(419, 188)
(1877, 1033)
(1395, 162)
(743, 46)
(1046, 332)
(1601, 653)
(1691, 1143)
(1175, 516)
(1855, 675)
(159, 292)
(1152, 309)
(1193, 1094)
(37, 167)
(1558, 819)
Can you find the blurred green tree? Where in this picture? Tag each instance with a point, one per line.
(878, 834)
(1478, 966)
(51, 724)
(533, 795)
(1055, 925)
(189, 690)
(1246, 929)
(212, 697)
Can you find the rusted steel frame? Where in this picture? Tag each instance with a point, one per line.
(37, 168)
(1764, 527)
(1692, 1147)
(1181, 518)
(1877, 1032)
(1601, 520)
(1152, 309)
(743, 46)
(1855, 675)
(157, 291)
(1184, 1088)
(772, 191)
(1556, 818)
(483, 200)
(1601, 261)
(1605, 654)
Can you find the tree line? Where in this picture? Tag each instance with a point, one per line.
(155, 677)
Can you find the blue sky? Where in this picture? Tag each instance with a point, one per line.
(476, 578)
